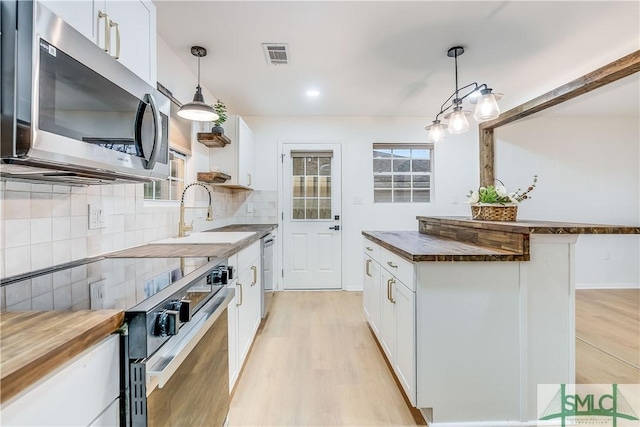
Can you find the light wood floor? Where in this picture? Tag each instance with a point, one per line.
(608, 336)
(315, 362)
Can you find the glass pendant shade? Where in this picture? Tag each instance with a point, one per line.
(436, 132)
(197, 110)
(487, 108)
(458, 122)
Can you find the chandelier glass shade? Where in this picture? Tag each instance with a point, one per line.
(479, 94)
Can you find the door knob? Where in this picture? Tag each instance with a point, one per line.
(335, 227)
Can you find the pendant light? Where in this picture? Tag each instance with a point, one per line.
(197, 109)
(480, 94)
(436, 131)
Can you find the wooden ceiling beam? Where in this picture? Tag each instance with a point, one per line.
(616, 70)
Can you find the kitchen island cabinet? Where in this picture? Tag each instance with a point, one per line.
(389, 305)
(494, 313)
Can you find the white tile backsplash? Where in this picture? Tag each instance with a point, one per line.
(41, 230)
(17, 260)
(46, 225)
(61, 228)
(41, 255)
(17, 232)
(60, 205)
(16, 204)
(61, 251)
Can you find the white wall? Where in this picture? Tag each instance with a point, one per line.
(455, 172)
(589, 171)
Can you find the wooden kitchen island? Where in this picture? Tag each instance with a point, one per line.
(473, 315)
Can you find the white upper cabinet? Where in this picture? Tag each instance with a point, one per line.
(237, 159)
(125, 29)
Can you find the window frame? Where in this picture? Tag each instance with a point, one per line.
(404, 146)
(172, 153)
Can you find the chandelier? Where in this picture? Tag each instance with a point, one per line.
(479, 94)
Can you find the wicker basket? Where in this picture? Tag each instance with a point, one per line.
(494, 212)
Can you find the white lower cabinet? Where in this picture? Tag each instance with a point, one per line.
(371, 295)
(83, 392)
(404, 361)
(390, 308)
(245, 310)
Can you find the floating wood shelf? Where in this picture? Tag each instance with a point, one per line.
(213, 139)
(213, 177)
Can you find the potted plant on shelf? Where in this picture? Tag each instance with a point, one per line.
(221, 111)
(495, 203)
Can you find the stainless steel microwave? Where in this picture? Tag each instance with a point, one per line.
(70, 112)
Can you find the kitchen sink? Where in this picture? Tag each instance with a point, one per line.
(208, 238)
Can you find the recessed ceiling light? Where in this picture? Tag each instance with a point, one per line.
(313, 93)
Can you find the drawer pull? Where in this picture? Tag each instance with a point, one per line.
(369, 249)
(392, 265)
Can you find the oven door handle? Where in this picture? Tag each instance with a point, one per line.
(165, 362)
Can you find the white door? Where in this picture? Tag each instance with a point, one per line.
(312, 243)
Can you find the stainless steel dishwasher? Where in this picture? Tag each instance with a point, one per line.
(268, 272)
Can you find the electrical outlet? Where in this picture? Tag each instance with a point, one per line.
(249, 207)
(96, 216)
(607, 256)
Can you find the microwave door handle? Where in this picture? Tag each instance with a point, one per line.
(148, 99)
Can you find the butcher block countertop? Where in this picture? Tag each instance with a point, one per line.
(34, 343)
(531, 227)
(198, 250)
(466, 239)
(415, 247)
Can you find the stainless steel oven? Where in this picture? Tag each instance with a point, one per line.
(71, 112)
(174, 344)
(178, 353)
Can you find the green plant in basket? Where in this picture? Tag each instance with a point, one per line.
(498, 194)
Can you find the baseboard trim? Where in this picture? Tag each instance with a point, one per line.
(628, 285)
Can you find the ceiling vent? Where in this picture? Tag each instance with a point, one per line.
(276, 53)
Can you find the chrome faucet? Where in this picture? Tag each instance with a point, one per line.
(182, 227)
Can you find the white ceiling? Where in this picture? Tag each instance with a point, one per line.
(388, 58)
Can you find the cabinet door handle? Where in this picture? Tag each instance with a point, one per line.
(115, 24)
(369, 249)
(389, 289)
(391, 298)
(238, 304)
(107, 30)
(255, 274)
(249, 184)
(392, 265)
(367, 267)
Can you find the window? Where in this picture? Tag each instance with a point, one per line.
(172, 187)
(311, 185)
(402, 173)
